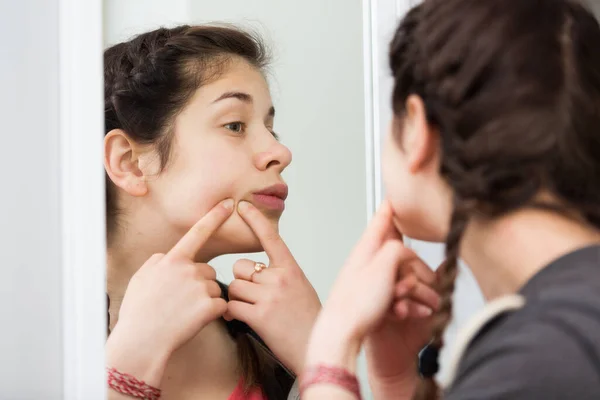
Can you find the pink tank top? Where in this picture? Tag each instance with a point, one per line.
(254, 394)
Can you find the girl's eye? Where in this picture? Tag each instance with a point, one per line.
(237, 127)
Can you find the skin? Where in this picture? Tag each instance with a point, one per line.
(165, 315)
(503, 255)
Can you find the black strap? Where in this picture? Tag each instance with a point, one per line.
(428, 361)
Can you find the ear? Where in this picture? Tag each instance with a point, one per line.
(420, 139)
(121, 162)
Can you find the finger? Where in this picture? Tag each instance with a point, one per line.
(194, 239)
(394, 233)
(150, 262)
(384, 266)
(242, 290)
(265, 231)
(406, 308)
(441, 269)
(401, 309)
(243, 269)
(416, 291)
(392, 256)
(216, 308)
(212, 289)
(155, 258)
(420, 269)
(374, 236)
(227, 317)
(406, 285)
(416, 310)
(206, 272)
(241, 311)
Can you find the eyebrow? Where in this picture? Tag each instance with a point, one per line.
(243, 97)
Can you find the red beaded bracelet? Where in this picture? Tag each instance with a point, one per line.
(129, 385)
(330, 375)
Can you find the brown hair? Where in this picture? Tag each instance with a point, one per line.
(513, 87)
(148, 80)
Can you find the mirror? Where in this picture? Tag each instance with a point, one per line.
(316, 80)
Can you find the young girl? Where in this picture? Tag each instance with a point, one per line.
(194, 171)
(494, 149)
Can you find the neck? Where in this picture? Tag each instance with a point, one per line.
(206, 364)
(504, 254)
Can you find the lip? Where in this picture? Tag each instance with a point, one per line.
(272, 197)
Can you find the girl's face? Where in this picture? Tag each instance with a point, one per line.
(421, 199)
(224, 146)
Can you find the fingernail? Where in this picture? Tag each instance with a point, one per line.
(243, 206)
(228, 204)
(424, 311)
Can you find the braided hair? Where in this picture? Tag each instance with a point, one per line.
(513, 87)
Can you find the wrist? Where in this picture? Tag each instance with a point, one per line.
(333, 346)
(381, 364)
(400, 386)
(390, 374)
(128, 355)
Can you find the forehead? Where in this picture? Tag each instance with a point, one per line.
(237, 76)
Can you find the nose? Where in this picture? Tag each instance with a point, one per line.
(275, 156)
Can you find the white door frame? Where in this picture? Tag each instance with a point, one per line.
(82, 198)
(380, 18)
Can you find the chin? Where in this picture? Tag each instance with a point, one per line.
(417, 228)
(235, 236)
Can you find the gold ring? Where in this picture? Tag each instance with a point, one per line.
(258, 267)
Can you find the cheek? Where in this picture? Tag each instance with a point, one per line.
(399, 186)
(394, 178)
(193, 185)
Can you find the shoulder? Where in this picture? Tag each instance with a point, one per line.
(545, 348)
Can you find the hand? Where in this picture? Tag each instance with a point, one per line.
(392, 348)
(365, 292)
(278, 303)
(167, 302)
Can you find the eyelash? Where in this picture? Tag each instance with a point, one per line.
(243, 128)
(241, 124)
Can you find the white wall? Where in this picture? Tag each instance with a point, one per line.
(52, 309)
(30, 275)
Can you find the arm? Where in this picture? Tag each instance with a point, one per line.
(167, 302)
(333, 346)
(399, 384)
(135, 360)
(372, 302)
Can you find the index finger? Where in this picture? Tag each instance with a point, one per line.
(380, 229)
(194, 239)
(266, 233)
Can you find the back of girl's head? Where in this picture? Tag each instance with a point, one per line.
(149, 79)
(513, 87)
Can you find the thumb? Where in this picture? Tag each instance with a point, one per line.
(388, 258)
